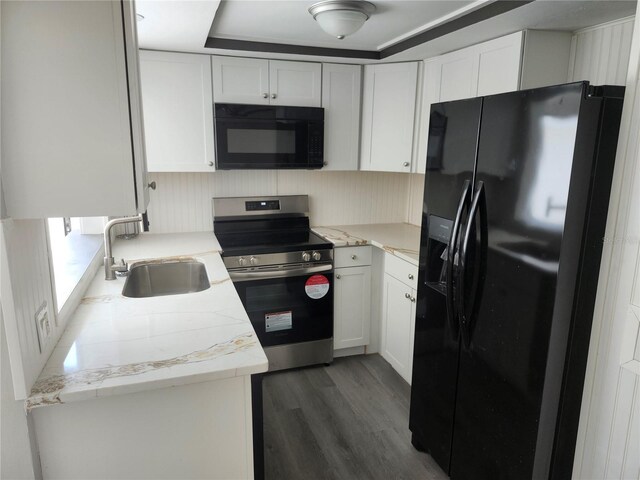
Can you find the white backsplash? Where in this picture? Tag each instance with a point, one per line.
(182, 201)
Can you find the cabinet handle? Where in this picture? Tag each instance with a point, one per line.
(152, 185)
(265, 95)
(353, 257)
(406, 295)
(413, 299)
(338, 276)
(405, 164)
(273, 95)
(411, 276)
(210, 164)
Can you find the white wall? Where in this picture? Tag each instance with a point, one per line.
(15, 449)
(182, 201)
(25, 285)
(609, 433)
(600, 53)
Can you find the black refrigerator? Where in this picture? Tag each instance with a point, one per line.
(515, 203)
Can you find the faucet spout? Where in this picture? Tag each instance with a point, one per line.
(109, 268)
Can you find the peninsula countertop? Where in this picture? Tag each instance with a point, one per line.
(399, 239)
(117, 345)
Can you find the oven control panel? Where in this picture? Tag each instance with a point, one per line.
(261, 205)
(270, 260)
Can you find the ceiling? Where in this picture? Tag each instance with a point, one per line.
(289, 22)
(184, 25)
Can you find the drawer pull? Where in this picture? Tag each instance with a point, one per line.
(406, 295)
(354, 256)
(411, 276)
(338, 277)
(413, 299)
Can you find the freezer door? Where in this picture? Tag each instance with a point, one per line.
(450, 164)
(513, 250)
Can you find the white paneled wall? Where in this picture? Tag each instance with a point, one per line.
(182, 201)
(609, 434)
(349, 198)
(600, 54)
(25, 286)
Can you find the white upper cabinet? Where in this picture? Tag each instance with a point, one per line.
(178, 111)
(499, 65)
(527, 59)
(458, 77)
(388, 111)
(341, 99)
(240, 80)
(298, 84)
(266, 82)
(72, 134)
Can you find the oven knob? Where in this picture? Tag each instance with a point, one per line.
(242, 261)
(306, 257)
(316, 256)
(254, 261)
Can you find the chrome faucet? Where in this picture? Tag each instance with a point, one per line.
(110, 268)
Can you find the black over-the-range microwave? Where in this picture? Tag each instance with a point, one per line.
(268, 136)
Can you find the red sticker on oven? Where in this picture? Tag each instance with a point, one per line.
(316, 286)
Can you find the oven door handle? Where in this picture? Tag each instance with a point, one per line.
(243, 276)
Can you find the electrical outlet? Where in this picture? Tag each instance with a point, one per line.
(43, 326)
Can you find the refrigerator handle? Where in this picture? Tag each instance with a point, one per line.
(453, 240)
(479, 203)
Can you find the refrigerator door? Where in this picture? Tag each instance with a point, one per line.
(513, 250)
(449, 172)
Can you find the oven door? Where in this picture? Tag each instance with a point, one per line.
(288, 306)
(249, 143)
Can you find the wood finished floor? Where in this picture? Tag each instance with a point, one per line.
(346, 421)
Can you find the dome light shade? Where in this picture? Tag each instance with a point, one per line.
(340, 18)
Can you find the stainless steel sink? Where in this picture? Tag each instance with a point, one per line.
(166, 278)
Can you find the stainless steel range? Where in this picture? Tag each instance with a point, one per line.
(283, 273)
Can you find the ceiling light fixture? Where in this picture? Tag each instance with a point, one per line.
(340, 18)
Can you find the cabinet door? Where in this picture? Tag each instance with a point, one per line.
(388, 116)
(297, 84)
(341, 99)
(398, 312)
(178, 111)
(240, 80)
(352, 307)
(499, 65)
(458, 76)
(70, 141)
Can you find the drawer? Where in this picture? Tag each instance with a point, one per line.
(404, 271)
(352, 256)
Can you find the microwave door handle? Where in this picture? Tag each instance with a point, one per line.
(246, 275)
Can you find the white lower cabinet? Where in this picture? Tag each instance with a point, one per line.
(398, 322)
(352, 298)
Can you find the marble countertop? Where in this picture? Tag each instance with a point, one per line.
(400, 239)
(116, 345)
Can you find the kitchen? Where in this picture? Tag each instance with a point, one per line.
(360, 193)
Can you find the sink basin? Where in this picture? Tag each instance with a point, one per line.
(166, 278)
